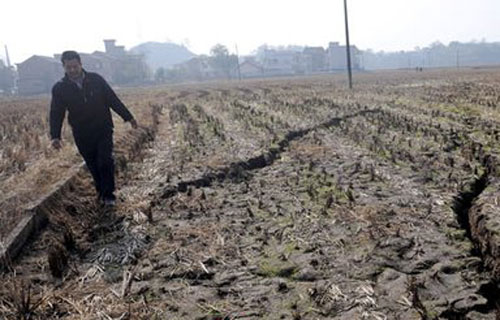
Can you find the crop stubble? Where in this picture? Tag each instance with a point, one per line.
(292, 199)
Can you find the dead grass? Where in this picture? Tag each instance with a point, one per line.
(29, 167)
(204, 241)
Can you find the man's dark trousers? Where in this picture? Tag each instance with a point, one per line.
(96, 149)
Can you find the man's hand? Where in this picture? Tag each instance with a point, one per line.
(134, 124)
(56, 144)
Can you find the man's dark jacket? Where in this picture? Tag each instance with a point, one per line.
(88, 108)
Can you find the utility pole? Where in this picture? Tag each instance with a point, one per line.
(348, 46)
(238, 61)
(7, 57)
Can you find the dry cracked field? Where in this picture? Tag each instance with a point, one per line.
(276, 199)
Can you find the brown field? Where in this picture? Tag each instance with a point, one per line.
(29, 167)
(269, 199)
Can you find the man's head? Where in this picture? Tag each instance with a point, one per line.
(72, 64)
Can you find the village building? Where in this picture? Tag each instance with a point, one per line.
(38, 74)
(251, 69)
(126, 68)
(130, 70)
(102, 63)
(196, 69)
(281, 62)
(203, 67)
(337, 57)
(271, 62)
(112, 49)
(314, 59)
(95, 62)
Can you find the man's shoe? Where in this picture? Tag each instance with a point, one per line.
(109, 202)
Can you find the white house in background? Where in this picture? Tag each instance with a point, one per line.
(280, 62)
(337, 57)
(314, 59)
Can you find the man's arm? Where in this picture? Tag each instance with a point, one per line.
(56, 115)
(115, 103)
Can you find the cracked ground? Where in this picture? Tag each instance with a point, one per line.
(282, 199)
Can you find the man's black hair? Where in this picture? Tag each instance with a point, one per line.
(70, 55)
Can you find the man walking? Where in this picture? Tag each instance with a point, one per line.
(87, 98)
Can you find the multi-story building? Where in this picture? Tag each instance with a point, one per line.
(337, 57)
(315, 59)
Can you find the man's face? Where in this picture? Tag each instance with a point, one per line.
(73, 68)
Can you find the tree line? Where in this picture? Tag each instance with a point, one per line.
(455, 54)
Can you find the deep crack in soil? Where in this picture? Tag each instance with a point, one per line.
(236, 170)
(294, 217)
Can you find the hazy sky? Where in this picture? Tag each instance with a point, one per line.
(46, 27)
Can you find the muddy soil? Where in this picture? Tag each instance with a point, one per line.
(280, 200)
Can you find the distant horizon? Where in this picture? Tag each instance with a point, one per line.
(39, 27)
(13, 62)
